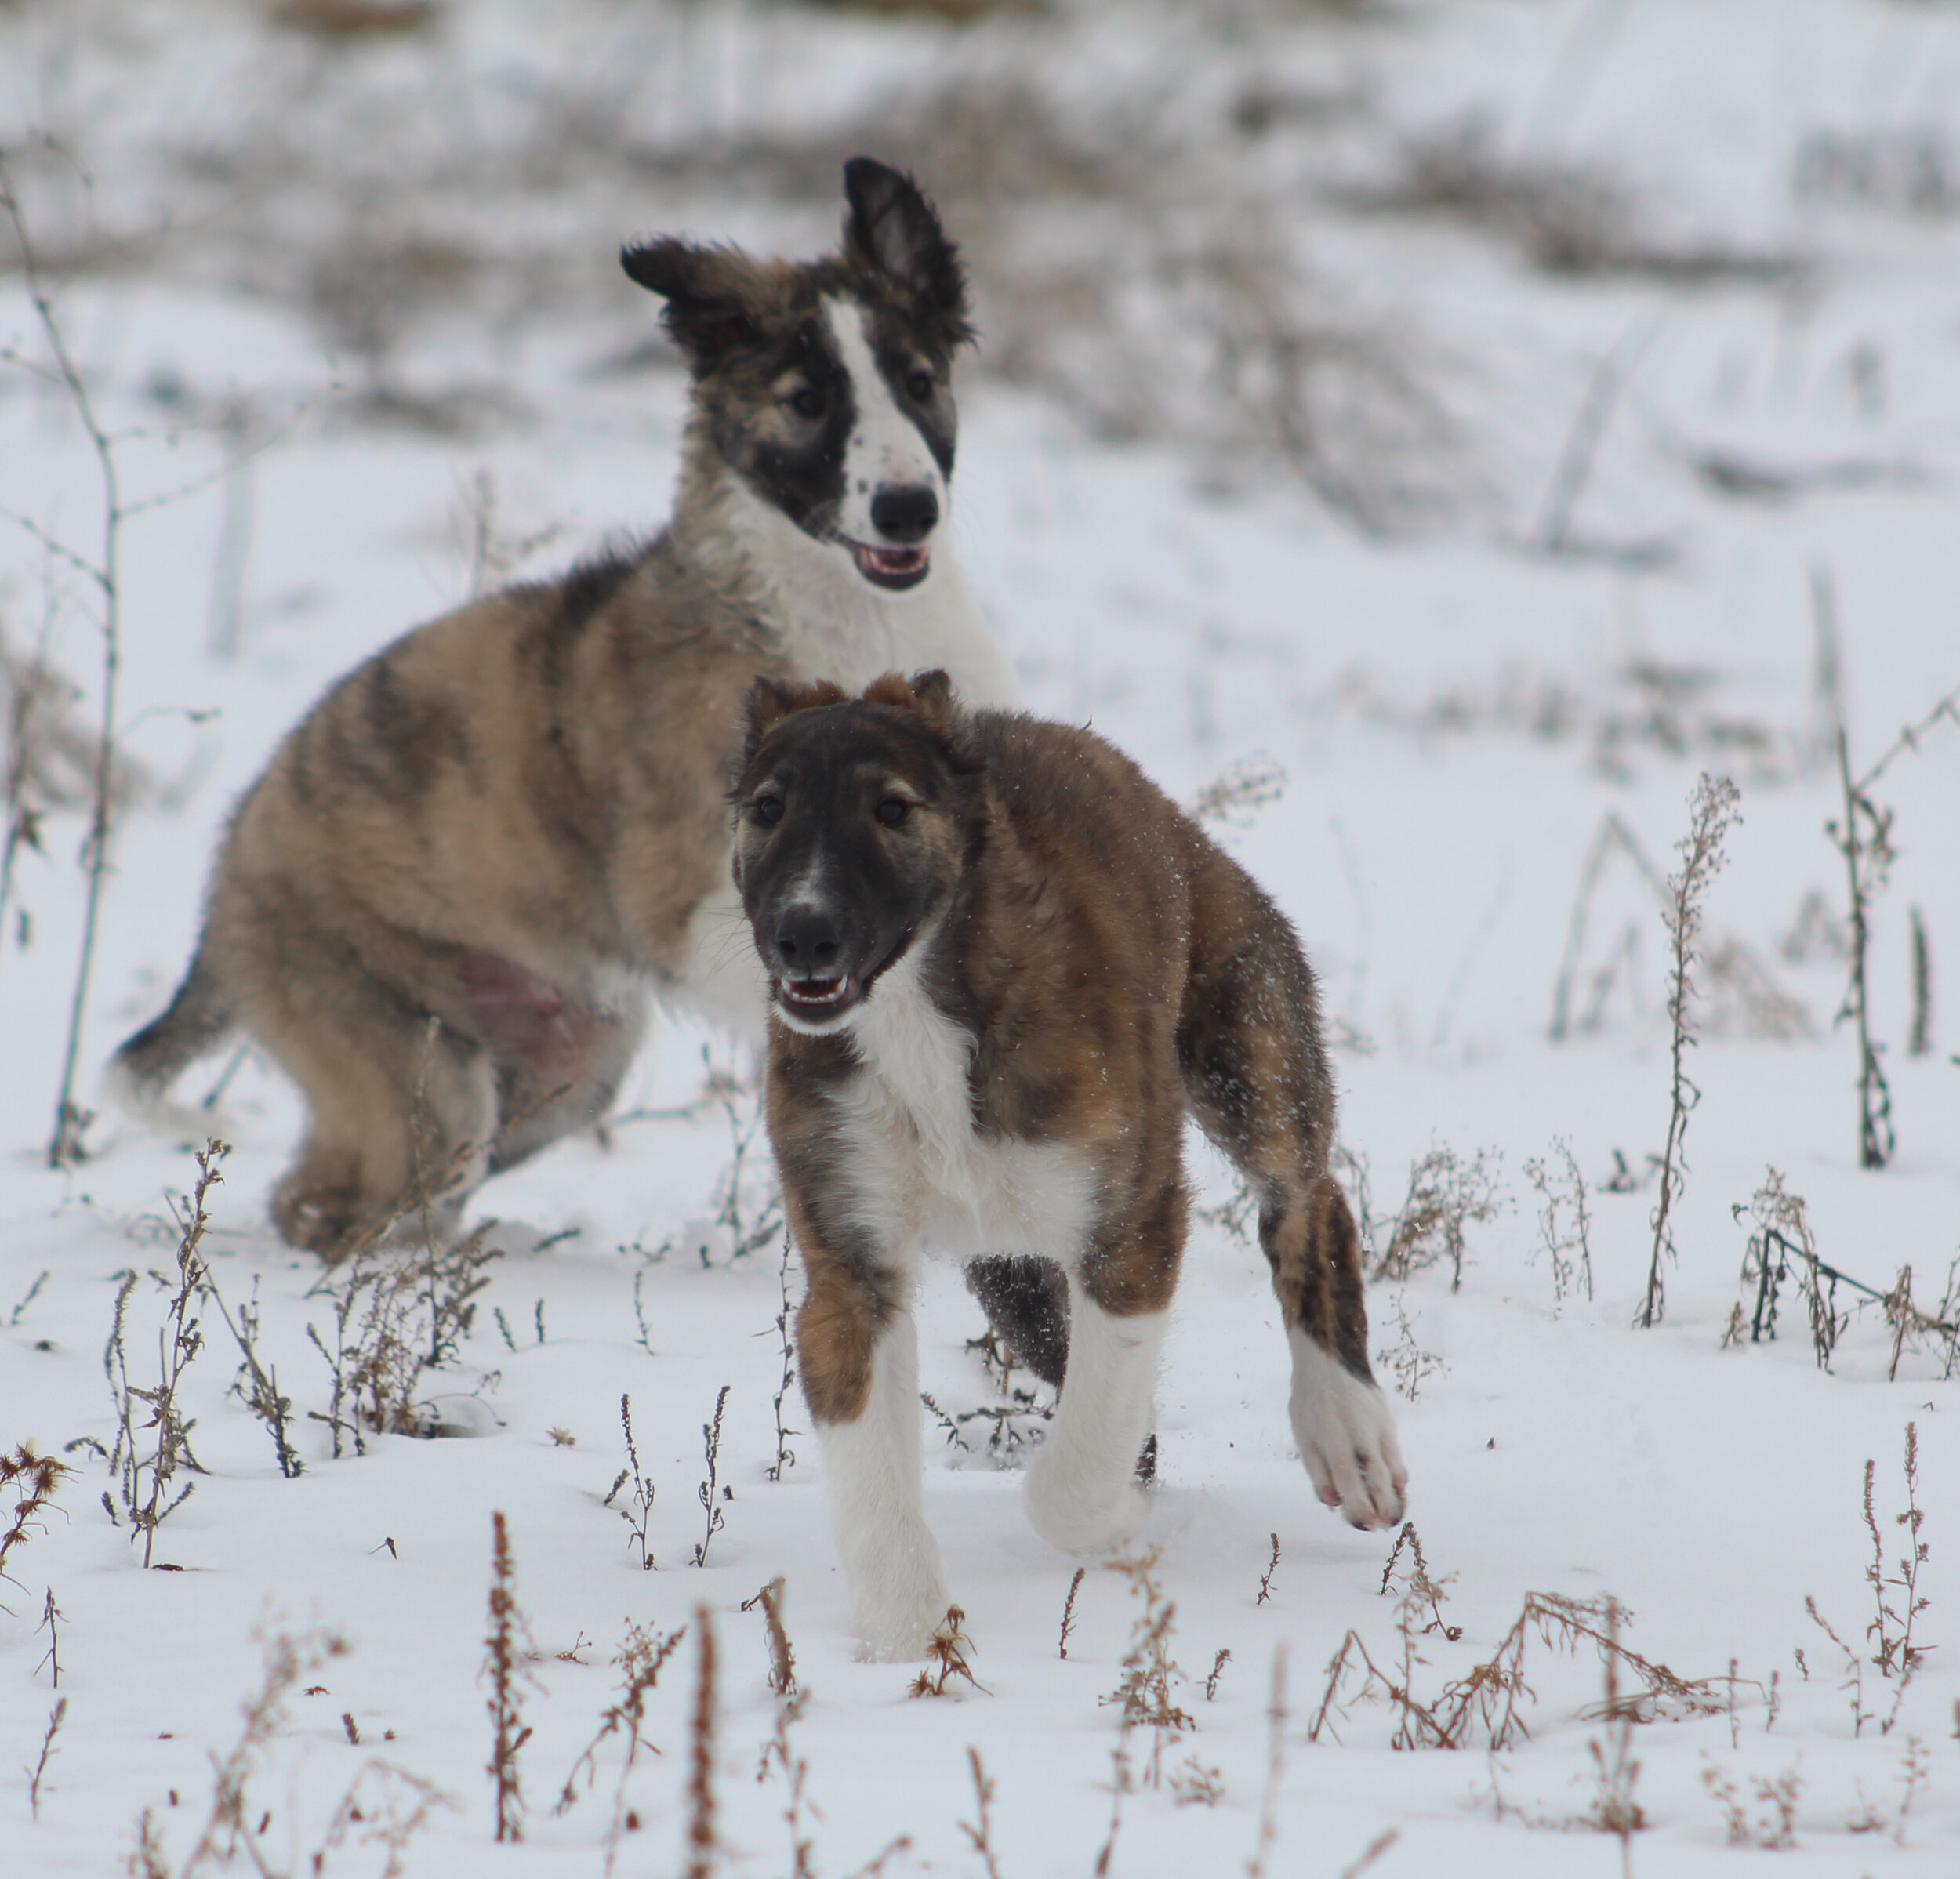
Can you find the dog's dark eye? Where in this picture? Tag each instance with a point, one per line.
(919, 386)
(767, 810)
(806, 401)
(893, 810)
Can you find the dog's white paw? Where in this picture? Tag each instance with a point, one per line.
(1347, 1436)
(1070, 1513)
(895, 1622)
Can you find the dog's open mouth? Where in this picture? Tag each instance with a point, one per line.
(896, 567)
(815, 999)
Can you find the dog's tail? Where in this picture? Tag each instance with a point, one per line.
(199, 1020)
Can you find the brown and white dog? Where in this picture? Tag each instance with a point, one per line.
(1004, 967)
(442, 906)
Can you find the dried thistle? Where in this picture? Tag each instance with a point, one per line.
(34, 1477)
(947, 1654)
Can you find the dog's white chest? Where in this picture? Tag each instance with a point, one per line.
(921, 1173)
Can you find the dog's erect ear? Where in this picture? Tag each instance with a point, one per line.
(706, 311)
(927, 695)
(892, 227)
(769, 701)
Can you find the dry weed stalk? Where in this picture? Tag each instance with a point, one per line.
(1239, 791)
(1712, 810)
(1006, 1423)
(1783, 1247)
(1773, 1830)
(506, 1648)
(384, 1806)
(179, 1340)
(639, 1660)
(1895, 1597)
(393, 1319)
(35, 1774)
(1487, 1704)
(1891, 1630)
(1566, 1239)
(1412, 1366)
(1444, 1195)
(642, 1490)
(704, 1850)
(51, 1615)
(704, 1493)
(1218, 1671)
(1420, 1587)
(289, 1660)
(1068, 1610)
(980, 1835)
(785, 1456)
(1265, 1578)
(1143, 1692)
(783, 1659)
(946, 1658)
(1275, 1764)
(1863, 839)
(257, 1385)
(1919, 1036)
(1615, 1770)
(34, 1477)
(104, 573)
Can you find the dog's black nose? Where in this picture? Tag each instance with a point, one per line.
(807, 941)
(904, 512)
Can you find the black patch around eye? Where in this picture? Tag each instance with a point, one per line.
(893, 810)
(919, 386)
(808, 401)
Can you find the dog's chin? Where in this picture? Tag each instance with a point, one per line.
(814, 1006)
(894, 569)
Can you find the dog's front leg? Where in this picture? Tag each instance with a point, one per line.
(1081, 1492)
(858, 1353)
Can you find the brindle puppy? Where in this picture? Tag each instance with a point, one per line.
(442, 907)
(1003, 966)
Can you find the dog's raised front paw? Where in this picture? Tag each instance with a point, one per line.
(1347, 1436)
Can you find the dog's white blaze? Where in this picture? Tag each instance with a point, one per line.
(886, 447)
(873, 1465)
(1080, 1493)
(918, 1172)
(828, 622)
(1347, 1435)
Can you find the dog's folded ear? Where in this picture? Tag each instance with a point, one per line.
(892, 228)
(707, 309)
(769, 701)
(928, 695)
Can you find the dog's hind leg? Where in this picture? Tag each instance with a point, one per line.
(1081, 1494)
(1257, 1079)
(1026, 1301)
(400, 1104)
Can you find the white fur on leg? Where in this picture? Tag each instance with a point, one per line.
(1347, 1436)
(1081, 1493)
(898, 1587)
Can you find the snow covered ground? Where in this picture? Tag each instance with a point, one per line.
(1667, 288)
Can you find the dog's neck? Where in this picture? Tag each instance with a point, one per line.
(810, 601)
